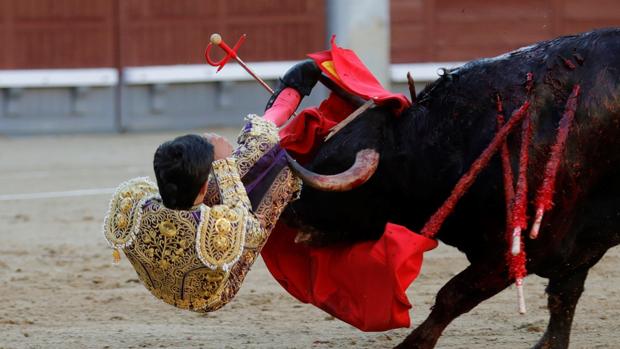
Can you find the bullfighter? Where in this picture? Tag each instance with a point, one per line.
(193, 237)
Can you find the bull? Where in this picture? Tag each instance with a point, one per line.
(425, 150)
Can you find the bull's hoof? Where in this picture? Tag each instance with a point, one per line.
(405, 345)
(551, 342)
(413, 342)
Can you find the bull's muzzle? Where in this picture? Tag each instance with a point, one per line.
(366, 162)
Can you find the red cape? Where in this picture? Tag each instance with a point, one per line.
(363, 284)
(349, 72)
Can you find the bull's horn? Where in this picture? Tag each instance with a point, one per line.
(411, 84)
(366, 162)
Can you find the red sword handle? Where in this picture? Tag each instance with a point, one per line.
(216, 39)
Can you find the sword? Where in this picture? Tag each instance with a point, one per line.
(216, 39)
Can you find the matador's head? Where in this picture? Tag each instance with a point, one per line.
(182, 168)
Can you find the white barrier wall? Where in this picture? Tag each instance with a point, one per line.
(152, 98)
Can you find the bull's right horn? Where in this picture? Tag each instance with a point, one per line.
(366, 162)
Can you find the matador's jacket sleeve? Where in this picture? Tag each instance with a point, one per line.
(263, 169)
(197, 259)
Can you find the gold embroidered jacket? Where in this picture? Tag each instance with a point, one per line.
(197, 259)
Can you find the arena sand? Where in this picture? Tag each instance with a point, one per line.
(59, 289)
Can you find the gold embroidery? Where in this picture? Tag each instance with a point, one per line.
(232, 191)
(217, 211)
(163, 253)
(284, 189)
(121, 221)
(222, 226)
(258, 137)
(232, 216)
(126, 205)
(167, 229)
(220, 242)
(122, 218)
(254, 141)
(183, 303)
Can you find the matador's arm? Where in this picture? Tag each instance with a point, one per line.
(197, 259)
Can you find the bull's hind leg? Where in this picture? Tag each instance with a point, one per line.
(563, 295)
(462, 293)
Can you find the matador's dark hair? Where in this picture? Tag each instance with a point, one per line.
(182, 166)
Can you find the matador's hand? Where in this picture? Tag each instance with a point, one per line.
(221, 146)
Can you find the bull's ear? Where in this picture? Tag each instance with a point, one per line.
(366, 163)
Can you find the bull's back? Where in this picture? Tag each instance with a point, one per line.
(590, 60)
(591, 160)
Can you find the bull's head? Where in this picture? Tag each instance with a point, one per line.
(366, 178)
(354, 195)
(366, 160)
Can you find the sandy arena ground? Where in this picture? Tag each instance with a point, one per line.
(59, 289)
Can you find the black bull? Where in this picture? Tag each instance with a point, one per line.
(425, 151)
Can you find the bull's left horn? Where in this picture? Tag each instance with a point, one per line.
(366, 162)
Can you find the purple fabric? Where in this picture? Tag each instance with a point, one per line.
(262, 174)
(196, 215)
(259, 178)
(261, 168)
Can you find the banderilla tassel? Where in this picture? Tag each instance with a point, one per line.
(544, 200)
